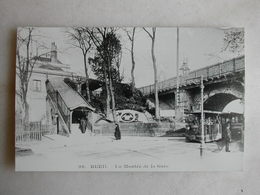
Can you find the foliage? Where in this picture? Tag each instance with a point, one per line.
(125, 98)
(97, 66)
(234, 40)
(108, 53)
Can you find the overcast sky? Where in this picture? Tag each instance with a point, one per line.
(200, 46)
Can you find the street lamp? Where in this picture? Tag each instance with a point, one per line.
(57, 121)
(202, 142)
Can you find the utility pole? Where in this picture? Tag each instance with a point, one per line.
(202, 142)
(178, 114)
(177, 71)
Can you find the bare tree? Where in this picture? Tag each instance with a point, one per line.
(80, 39)
(152, 36)
(131, 37)
(24, 64)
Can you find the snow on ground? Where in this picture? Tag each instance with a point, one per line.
(87, 152)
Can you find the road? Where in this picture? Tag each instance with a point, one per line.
(103, 153)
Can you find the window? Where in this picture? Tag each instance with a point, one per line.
(37, 85)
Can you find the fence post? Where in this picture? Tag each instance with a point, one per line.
(40, 135)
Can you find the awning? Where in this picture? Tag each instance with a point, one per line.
(71, 98)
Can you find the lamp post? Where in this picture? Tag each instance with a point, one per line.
(202, 142)
(57, 121)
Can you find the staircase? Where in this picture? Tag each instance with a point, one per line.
(75, 131)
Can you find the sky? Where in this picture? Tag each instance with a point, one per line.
(200, 47)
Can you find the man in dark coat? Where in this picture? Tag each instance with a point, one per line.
(227, 136)
(117, 132)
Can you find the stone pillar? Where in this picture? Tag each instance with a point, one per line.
(184, 104)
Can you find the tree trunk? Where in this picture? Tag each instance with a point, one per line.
(108, 110)
(133, 60)
(87, 77)
(112, 92)
(157, 113)
(26, 116)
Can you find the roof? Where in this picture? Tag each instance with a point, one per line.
(71, 98)
(50, 67)
(232, 113)
(207, 112)
(46, 59)
(216, 112)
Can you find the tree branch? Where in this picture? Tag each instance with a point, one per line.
(148, 33)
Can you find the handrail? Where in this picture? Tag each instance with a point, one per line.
(56, 97)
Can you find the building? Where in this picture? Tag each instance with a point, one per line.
(65, 107)
(47, 66)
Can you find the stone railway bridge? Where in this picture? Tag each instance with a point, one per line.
(223, 83)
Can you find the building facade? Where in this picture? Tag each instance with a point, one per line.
(47, 66)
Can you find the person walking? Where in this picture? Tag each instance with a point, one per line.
(227, 136)
(117, 132)
(83, 125)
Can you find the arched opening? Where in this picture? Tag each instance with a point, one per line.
(236, 106)
(219, 101)
(77, 114)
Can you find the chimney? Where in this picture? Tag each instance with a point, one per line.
(54, 53)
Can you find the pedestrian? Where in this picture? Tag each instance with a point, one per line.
(83, 125)
(117, 132)
(227, 136)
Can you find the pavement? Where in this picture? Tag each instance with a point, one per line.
(88, 152)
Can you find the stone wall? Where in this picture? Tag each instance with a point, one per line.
(135, 129)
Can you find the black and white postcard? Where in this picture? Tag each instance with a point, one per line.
(129, 99)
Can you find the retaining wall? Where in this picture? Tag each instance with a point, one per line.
(135, 129)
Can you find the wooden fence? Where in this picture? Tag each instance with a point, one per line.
(33, 132)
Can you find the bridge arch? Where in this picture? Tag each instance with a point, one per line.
(218, 102)
(217, 98)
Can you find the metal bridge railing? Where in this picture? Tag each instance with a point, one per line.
(216, 70)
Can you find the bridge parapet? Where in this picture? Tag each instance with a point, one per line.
(214, 71)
